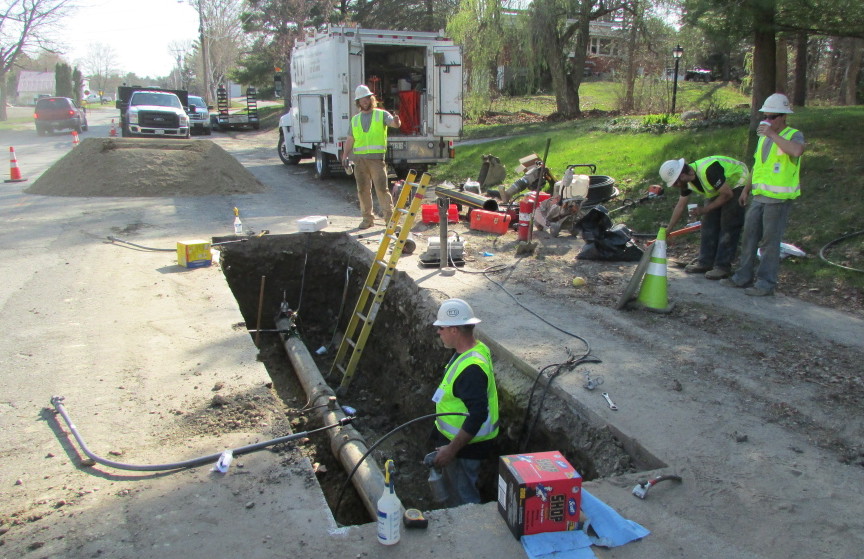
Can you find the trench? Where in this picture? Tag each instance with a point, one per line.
(308, 274)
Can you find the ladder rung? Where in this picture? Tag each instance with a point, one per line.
(361, 316)
(350, 342)
(370, 289)
(340, 367)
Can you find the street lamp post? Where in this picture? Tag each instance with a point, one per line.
(676, 54)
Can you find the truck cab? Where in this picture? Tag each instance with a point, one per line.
(153, 112)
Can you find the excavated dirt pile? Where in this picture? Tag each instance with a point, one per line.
(145, 167)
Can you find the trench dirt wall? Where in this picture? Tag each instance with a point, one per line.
(403, 359)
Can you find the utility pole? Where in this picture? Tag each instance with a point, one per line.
(676, 54)
(208, 98)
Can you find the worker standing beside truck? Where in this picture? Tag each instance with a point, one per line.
(776, 183)
(720, 180)
(367, 143)
(468, 386)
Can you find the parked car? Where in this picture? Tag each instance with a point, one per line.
(58, 113)
(199, 116)
(698, 75)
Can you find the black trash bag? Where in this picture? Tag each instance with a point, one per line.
(492, 172)
(604, 241)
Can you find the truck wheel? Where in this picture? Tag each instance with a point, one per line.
(283, 153)
(322, 163)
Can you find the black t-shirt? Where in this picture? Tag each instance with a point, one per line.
(716, 177)
(470, 387)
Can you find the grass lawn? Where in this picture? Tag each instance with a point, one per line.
(830, 206)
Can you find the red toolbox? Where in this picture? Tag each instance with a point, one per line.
(538, 492)
(429, 213)
(492, 222)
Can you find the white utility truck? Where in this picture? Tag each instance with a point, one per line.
(417, 73)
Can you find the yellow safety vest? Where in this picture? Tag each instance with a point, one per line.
(447, 402)
(780, 175)
(735, 171)
(373, 141)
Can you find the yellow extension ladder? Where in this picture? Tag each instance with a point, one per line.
(380, 273)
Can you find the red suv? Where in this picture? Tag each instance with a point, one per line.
(58, 113)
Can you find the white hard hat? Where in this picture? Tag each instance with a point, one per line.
(671, 170)
(361, 92)
(776, 103)
(455, 312)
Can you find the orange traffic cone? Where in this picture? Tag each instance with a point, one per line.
(75, 140)
(113, 132)
(652, 295)
(14, 171)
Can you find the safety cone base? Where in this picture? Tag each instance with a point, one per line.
(15, 180)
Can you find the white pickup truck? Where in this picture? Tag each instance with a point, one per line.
(152, 112)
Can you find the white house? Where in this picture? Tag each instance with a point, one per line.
(32, 85)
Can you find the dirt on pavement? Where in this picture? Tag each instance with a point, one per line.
(746, 394)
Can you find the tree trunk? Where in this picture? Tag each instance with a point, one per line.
(799, 96)
(630, 77)
(782, 71)
(764, 63)
(3, 115)
(856, 49)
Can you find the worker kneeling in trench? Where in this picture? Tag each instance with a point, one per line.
(468, 386)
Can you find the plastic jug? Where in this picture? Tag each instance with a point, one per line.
(579, 186)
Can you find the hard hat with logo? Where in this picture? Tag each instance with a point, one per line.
(671, 170)
(777, 104)
(361, 92)
(455, 312)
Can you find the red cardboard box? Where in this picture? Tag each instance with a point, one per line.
(429, 213)
(492, 222)
(538, 492)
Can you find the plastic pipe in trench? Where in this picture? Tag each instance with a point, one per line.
(347, 444)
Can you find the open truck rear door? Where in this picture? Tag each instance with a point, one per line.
(447, 83)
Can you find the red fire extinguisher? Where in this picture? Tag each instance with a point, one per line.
(526, 209)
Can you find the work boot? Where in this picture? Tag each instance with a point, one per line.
(718, 273)
(758, 292)
(696, 268)
(366, 224)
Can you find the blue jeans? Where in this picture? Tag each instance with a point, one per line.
(721, 229)
(460, 476)
(763, 228)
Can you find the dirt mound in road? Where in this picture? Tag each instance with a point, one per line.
(145, 167)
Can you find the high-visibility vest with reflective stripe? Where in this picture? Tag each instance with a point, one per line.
(449, 425)
(735, 172)
(373, 141)
(780, 175)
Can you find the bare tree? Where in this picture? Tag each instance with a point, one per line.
(99, 63)
(180, 50)
(26, 26)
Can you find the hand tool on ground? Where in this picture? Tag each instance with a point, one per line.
(413, 518)
(609, 401)
(641, 489)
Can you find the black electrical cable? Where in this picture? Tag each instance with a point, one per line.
(116, 240)
(501, 268)
(569, 365)
(57, 401)
(376, 444)
(835, 241)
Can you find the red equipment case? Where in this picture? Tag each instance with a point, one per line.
(429, 213)
(492, 222)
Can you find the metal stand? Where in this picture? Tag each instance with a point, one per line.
(443, 246)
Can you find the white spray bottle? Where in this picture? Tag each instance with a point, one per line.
(238, 225)
(389, 509)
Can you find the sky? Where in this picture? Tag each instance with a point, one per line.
(139, 32)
